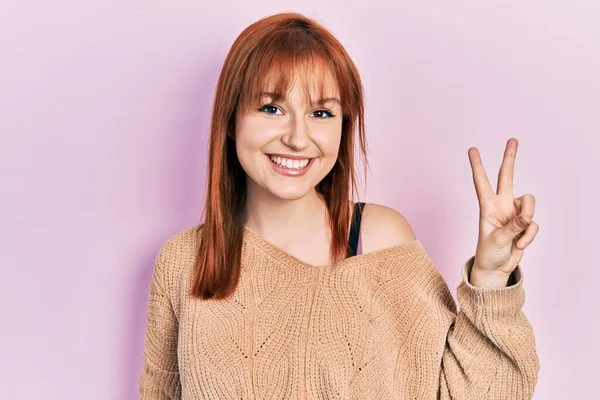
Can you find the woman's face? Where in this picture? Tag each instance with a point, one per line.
(286, 148)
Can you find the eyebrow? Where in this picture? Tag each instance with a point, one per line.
(278, 96)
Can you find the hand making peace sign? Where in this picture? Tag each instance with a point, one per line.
(505, 223)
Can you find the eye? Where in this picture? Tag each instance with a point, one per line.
(319, 114)
(269, 109)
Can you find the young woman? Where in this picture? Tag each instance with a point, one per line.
(291, 290)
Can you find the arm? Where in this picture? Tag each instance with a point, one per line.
(159, 379)
(490, 349)
(486, 350)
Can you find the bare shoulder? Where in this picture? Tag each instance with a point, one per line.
(382, 227)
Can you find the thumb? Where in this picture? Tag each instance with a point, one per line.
(515, 227)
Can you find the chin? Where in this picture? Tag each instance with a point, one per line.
(290, 193)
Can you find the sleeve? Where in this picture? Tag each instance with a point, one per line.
(490, 351)
(159, 379)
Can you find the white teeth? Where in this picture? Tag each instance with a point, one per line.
(291, 164)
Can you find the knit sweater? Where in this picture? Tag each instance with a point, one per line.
(379, 325)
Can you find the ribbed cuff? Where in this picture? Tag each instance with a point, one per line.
(495, 302)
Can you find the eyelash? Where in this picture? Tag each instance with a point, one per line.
(262, 109)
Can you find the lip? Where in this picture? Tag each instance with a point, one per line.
(289, 156)
(290, 172)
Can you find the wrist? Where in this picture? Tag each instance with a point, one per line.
(488, 279)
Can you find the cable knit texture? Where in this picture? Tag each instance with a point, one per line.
(380, 325)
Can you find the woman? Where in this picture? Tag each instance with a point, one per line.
(274, 296)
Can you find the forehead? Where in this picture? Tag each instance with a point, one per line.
(313, 81)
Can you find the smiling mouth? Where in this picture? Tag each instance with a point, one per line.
(289, 163)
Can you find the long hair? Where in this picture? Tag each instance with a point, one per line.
(286, 43)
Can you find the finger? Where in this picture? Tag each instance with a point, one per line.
(507, 169)
(518, 205)
(526, 205)
(528, 235)
(482, 184)
(514, 227)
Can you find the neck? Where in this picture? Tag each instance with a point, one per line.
(280, 220)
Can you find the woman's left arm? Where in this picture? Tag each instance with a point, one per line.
(491, 295)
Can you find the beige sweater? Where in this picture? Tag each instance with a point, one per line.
(382, 326)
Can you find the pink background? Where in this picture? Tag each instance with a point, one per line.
(104, 120)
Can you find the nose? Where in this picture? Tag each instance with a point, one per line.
(297, 134)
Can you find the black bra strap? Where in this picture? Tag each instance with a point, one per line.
(355, 229)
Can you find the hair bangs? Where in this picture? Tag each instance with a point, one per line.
(280, 69)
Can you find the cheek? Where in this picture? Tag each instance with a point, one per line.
(329, 141)
(250, 139)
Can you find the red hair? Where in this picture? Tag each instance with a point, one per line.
(285, 43)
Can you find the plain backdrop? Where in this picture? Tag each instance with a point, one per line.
(104, 115)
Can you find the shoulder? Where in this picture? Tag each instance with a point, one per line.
(176, 253)
(382, 227)
(181, 242)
